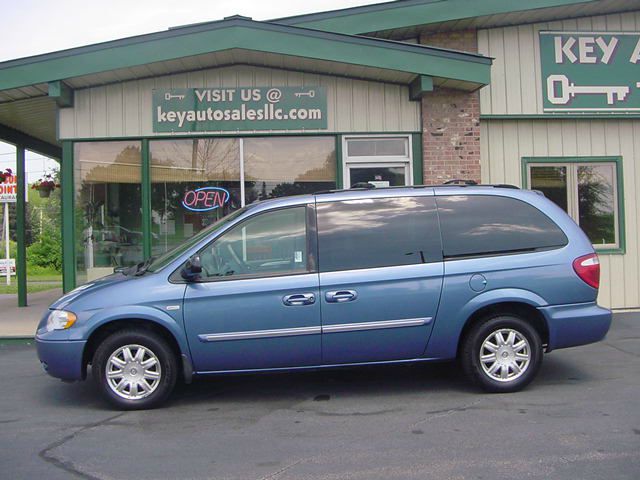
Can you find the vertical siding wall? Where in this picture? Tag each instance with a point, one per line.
(516, 84)
(125, 109)
(505, 142)
(516, 89)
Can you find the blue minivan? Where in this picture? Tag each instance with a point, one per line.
(490, 275)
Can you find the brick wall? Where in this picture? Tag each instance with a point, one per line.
(451, 121)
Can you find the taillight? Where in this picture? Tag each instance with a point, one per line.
(588, 269)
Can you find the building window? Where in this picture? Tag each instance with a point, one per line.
(179, 170)
(383, 161)
(108, 207)
(283, 166)
(588, 189)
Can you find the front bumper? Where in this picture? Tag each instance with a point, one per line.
(62, 358)
(577, 324)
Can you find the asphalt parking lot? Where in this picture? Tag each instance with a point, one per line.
(580, 419)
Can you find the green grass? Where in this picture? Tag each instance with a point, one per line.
(31, 287)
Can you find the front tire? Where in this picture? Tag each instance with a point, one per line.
(134, 369)
(502, 354)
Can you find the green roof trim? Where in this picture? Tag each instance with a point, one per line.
(420, 86)
(241, 33)
(410, 13)
(62, 93)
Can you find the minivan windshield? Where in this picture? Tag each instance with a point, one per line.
(170, 255)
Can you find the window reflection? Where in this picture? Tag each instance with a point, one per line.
(552, 181)
(107, 207)
(282, 166)
(178, 169)
(596, 203)
(378, 233)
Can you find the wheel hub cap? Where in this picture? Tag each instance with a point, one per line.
(505, 355)
(133, 372)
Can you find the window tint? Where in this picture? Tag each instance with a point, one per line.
(377, 232)
(476, 225)
(272, 243)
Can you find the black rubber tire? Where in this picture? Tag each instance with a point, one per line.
(149, 340)
(470, 353)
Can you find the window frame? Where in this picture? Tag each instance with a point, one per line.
(572, 164)
(405, 161)
(310, 243)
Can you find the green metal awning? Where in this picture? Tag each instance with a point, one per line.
(409, 18)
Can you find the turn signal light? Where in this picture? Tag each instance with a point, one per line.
(588, 269)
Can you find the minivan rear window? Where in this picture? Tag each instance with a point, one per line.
(377, 232)
(475, 225)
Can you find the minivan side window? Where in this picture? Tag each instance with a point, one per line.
(377, 232)
(271, 243)
(475, 225)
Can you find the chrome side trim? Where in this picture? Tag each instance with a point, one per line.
(290, 332)
(251, 334)
(354, 327)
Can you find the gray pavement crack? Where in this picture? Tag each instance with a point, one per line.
(68, 466)
(621, 350)
(284, 469)
(446, 413)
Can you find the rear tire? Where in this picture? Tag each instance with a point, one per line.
(502, 354)
(134, 369)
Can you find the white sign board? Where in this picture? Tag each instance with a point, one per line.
(9, 189)
(3, 266)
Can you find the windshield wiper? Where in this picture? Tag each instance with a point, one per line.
(142, 267)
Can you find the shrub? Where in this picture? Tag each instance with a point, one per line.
(47, 252)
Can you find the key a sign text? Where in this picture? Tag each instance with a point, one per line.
(590, 72)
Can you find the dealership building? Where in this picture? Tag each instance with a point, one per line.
(160, 135)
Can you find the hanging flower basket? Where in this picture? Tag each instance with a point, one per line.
(45, 186)
(6, 175)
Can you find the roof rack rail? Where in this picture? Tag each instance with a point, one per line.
(460, 181)
(362, 188)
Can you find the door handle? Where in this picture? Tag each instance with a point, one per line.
(341, 296)
(299, 299)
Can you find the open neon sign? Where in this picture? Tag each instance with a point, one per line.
(205, 199)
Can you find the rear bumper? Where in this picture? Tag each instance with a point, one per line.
(577, 324)
(61, 359)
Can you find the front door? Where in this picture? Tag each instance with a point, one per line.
(256, 304)
(381, 160)
(381, 274)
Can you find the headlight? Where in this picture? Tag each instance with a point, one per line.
(60, 320)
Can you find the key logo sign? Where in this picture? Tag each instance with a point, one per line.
(590, 72)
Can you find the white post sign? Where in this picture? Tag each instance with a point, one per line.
(8, 194)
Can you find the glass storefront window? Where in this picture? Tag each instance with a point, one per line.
(194, 183)
(282, 166)
(108, 207)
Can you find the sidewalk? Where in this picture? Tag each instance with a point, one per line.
(16, 322)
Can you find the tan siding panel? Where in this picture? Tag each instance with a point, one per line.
(505, 142)
(115, 113)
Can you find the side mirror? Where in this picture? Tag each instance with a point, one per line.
(192, 268)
